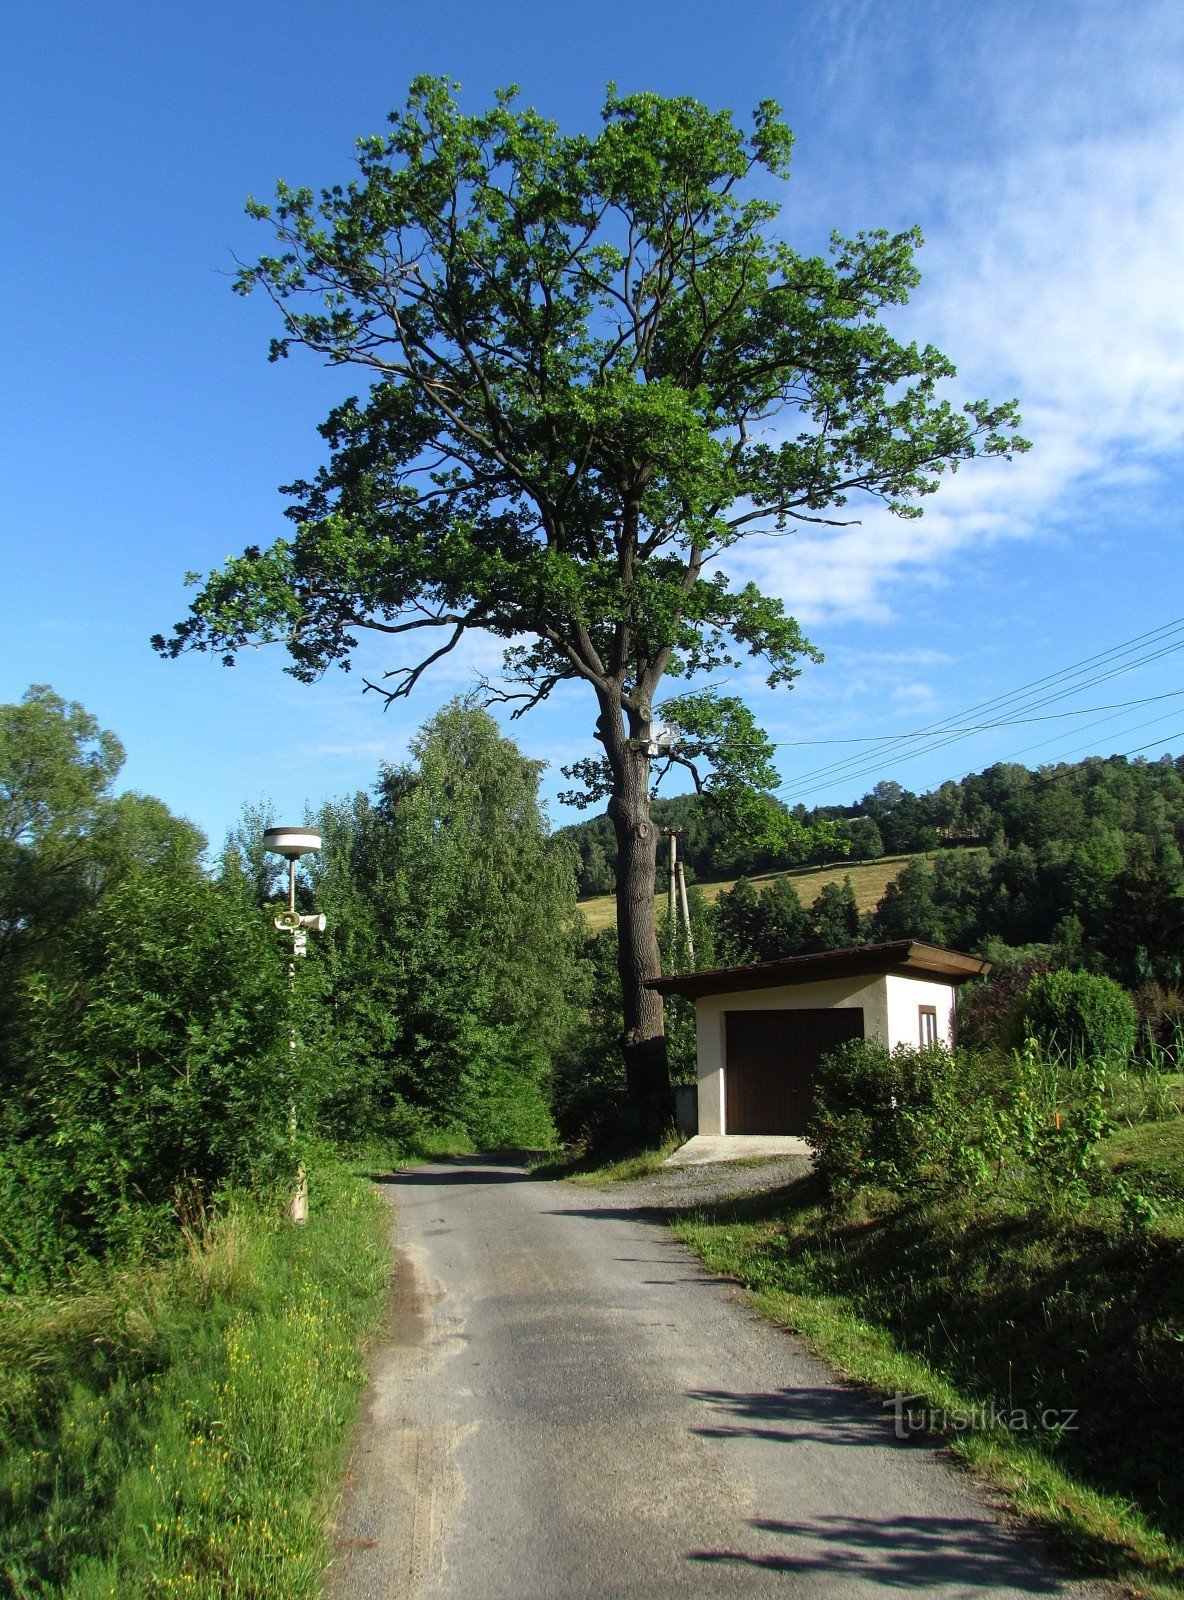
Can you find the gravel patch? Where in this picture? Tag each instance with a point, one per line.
(681, 1188)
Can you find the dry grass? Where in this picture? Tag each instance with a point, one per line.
(868, 879)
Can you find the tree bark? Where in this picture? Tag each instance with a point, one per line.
(647, 1074)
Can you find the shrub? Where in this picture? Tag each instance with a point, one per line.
(987, 1007)
(924, 1121)
(1049, 1118)
(588, 1099)
(1081, 1014)
(1161, 1026)
(905, 1119)
(156, 1068)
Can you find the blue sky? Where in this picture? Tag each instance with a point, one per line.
(1039, 146)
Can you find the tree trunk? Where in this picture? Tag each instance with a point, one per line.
(647, 1075)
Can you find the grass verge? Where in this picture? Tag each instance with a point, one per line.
(594, 1168)
(960, 1304)
(180, 1427)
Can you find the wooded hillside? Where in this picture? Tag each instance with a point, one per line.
(1086, 857)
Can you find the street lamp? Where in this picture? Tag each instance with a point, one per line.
(292, 843)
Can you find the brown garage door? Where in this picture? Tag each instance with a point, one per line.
(771, 1060)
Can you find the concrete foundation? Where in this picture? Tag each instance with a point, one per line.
(707, 1147)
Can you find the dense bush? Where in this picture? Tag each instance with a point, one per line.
(903, 1119)
(919, 1122)
(1050, 1113)
(988, 1007)
(1161, 1025)
(1082, 1014)
(588, 1098)
(749, 927)
(153, 1070)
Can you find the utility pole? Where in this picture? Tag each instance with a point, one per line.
(671, 904)
(677, 892)
(686, 913)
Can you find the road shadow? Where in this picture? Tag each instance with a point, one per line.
(960, 1554)
(793, 1416)
(647, 1214)
(492, 1166)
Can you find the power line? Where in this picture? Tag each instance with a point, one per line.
(1138, 728)
(1150, 745)
(1098, 668)
(1025, 699)
(983, 727)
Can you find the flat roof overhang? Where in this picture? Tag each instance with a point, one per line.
(908, 957)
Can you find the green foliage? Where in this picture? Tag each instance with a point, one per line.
(1161, 1025)
(681, 1034)
(749, 927)
(1085, 1016)
(1082, 862)
(613, 314)
(40, 1243)
(153, 1068)
(740, 924)
(596, 875)
(834, 917)
(710, 847)
(179, 1427)
(720, 730)
(56, 770)
(444, 986)
(1051, 1114)
(143, 1017)
(918, 1122)
(988, 1007)
(56, 765)
(245, 867)
(907, 909)
(906, 1119)
(589, 1101)
(862, 838)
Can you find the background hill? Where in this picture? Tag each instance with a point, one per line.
(869, 879)
(1081, 864)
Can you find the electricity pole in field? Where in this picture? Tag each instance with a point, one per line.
(678, 886)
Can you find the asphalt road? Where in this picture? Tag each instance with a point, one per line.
(567, 1407)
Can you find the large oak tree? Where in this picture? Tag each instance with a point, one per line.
(594, 366)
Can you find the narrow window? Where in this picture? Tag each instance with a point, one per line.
(928, 1015)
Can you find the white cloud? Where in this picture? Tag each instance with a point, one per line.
(1052, 273)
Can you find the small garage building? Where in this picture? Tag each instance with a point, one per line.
(763, 1029)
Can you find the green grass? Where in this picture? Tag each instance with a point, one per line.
(592, 1168)
(179, 1428)
(970, 1300)
(868, 879)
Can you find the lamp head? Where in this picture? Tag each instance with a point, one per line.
(291, 843)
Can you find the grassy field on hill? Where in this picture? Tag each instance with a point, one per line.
(868, 879)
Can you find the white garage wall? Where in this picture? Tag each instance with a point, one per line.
(870, 993)
(890, 1005)
(905, 996)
